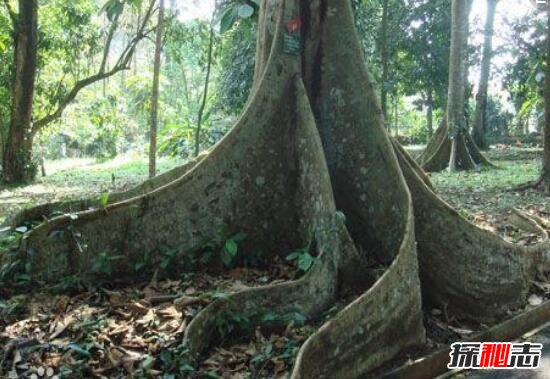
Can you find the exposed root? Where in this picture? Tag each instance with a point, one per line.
(537, 185)
(528, 222)
(357, 339)
(435, 364)
(471, 271)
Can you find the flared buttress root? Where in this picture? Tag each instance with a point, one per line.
(373, 328)
(437, 154)
(235, 189)
(467, 270)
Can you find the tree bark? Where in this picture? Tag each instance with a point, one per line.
(155, 94)
(204, 93)
(479, 130)
(309, 164)
(17, 158)
(455, 94)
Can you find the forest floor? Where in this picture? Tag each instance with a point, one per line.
(114, 330)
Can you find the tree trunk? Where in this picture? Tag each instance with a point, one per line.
(383, 47)
(479, 130)
(451, 146)
(204, 94)
(17, 158)
(455, 94)
(308, 164)
(155, 94)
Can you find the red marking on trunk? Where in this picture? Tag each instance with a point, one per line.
(294, 25)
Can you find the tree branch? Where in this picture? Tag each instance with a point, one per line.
(122, 64)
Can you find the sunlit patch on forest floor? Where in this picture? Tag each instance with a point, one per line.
(113, 330)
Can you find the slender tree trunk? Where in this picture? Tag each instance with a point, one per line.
(455, 95)
(17, 157)
(204, 94)
(545, 177)
(383, 46)
(155, 94)
(429, 113)
(478, 133)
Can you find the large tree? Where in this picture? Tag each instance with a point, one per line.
(308, 165)
(479, 129)
(452, 146)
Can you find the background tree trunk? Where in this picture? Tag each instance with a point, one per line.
(479, 130)
(455, 95)
(204, 94)
(452, 146)
(17, 158)
(155, 94)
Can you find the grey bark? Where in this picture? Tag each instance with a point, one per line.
(155, 93)
(479, 129)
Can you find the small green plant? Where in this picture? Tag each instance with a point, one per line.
(230, 249)
(302, 259)
(103, 200)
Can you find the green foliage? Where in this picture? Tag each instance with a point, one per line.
(231, 11)
(302, 259)
(229, 251)
(176, 362)
(525, 76)
(237, 66)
